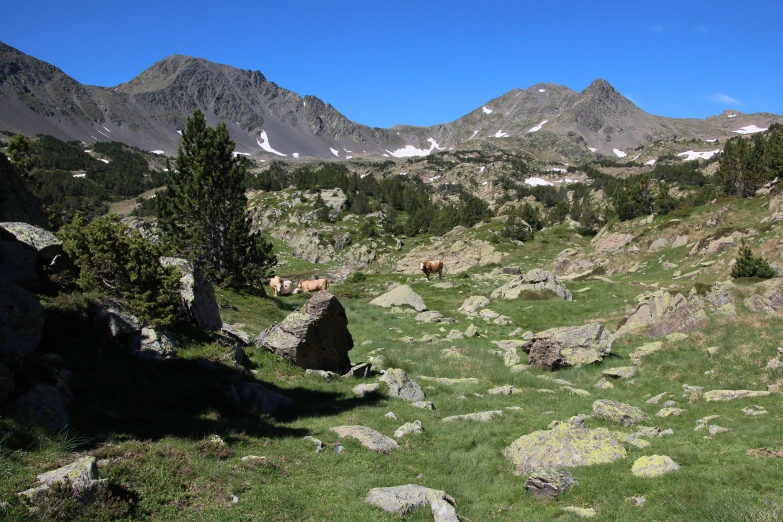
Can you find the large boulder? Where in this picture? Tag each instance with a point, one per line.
(401, 295)
(535, 280)
(619, 412)
(314, 337)
(612, 242)
(24, 251)
(569, 346)
(45, 405)
(654, 466)
(368, 437)
(17, 203)
(45, 244)
(21, 321)
(472, 304)
(112, 313)
(662, 313)
(197, 293)
(566, 445)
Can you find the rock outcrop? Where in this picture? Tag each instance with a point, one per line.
(568, 444)
(536, 280)
(569, 346)
(314, 337)
(197, 293)
(401, 295)
(457, 254)
(401, 386)
(24, 252)
(21, 321)
(369, 438)
(81, 475)
(402, 500)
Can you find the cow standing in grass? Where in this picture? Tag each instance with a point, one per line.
(313, 285)
(274, 283)
(285, 288)
(430, 267)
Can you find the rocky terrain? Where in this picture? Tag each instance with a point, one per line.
(551, 122)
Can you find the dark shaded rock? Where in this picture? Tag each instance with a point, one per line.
(549, 483)
(569, 346)
(119, 321)
(45, 244)
(46, 406)
(255, 398)
(17, 203)
(6, 382)
(155, 344)
(21, 321)
(18, 262)
(315, 337)
(197, 293)
(511, 270)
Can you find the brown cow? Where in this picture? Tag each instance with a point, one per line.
(274, 282)
(313, 285)
(430, 267)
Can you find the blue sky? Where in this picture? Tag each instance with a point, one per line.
(423, 63)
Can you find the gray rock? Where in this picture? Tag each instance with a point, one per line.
(408, 428)
(424, 405)
(81, 475)
(569, 346)
(342, 241)
(401, 386)
(237, 334)
(365, 390)
(45, 244)
(621, 372)
(483, 416)
(399, 296)
(323, 374)
(359, 257)
(730, 395)
(119, 321)
(549, 483)
(6, 382)
(535, 280)
(197, 293)
(471, 331)
(402, 500)
(369, 438)
(619, 412)
(314, 337)
(431, 316)
(255, 398)
(472, 304)
(504, 390)
(154, 344)
(46, 406)
(18, 262)
(21, 321)
(714, 429)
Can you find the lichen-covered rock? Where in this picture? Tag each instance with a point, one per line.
(612, 242)
(255, 398)
(342, 241)
(564, 446)
(364, 390)
(408, 428)
(314, 337)
(549, 483)
(654, 466)
(43, 242)
(81, 475)
(580, 511)
(359, 257)
(662, 313)
(536, 280)
(237, 334)
(619, 412)
(482, 416)
(569, 346)
(730, 395)
(402, 500)
(402, 295)
(424, 405)
(504, 390)
(471, 331)
(450, 382)
(604, 384)
(369, 438)
(472, 304)
(197, 293)
(401, 386)
(670, 412)
(46, 406)
(154, 344)
(620, 372)
(21, 321)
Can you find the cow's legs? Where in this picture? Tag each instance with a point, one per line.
(440, 274)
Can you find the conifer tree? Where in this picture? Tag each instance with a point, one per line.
(202, 213)
(748, 265)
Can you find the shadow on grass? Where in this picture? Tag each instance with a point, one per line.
(120, 395)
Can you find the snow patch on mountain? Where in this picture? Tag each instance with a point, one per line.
(651, 162)
(474, 134)
(619, 153)
(592, 149)
(500, 134)
(692, 155)
(486, 111)
(747, 129)
(295, 155)
(538, 127)
(712, 140)
(263, 142)
(537, 182)
(158, 152)
(409, 150)
(335, 152)
(235, 154)
(541, 90)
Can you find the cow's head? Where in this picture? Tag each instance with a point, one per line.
(421, 267)
(278, 288)
(299, 285)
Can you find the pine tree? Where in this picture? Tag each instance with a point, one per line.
(202, 213)
(516, 227)
(748, 265)
(18, 150)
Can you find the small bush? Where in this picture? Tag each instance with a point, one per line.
(356, 277)
(749, 265)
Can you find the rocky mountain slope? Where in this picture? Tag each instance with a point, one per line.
(268, 121)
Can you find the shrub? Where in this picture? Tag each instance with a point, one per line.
(116, 261)
(356, 277)
(749, 265)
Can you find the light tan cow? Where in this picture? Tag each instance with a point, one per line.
(274, 283)
(430, 267)
(313, 285)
